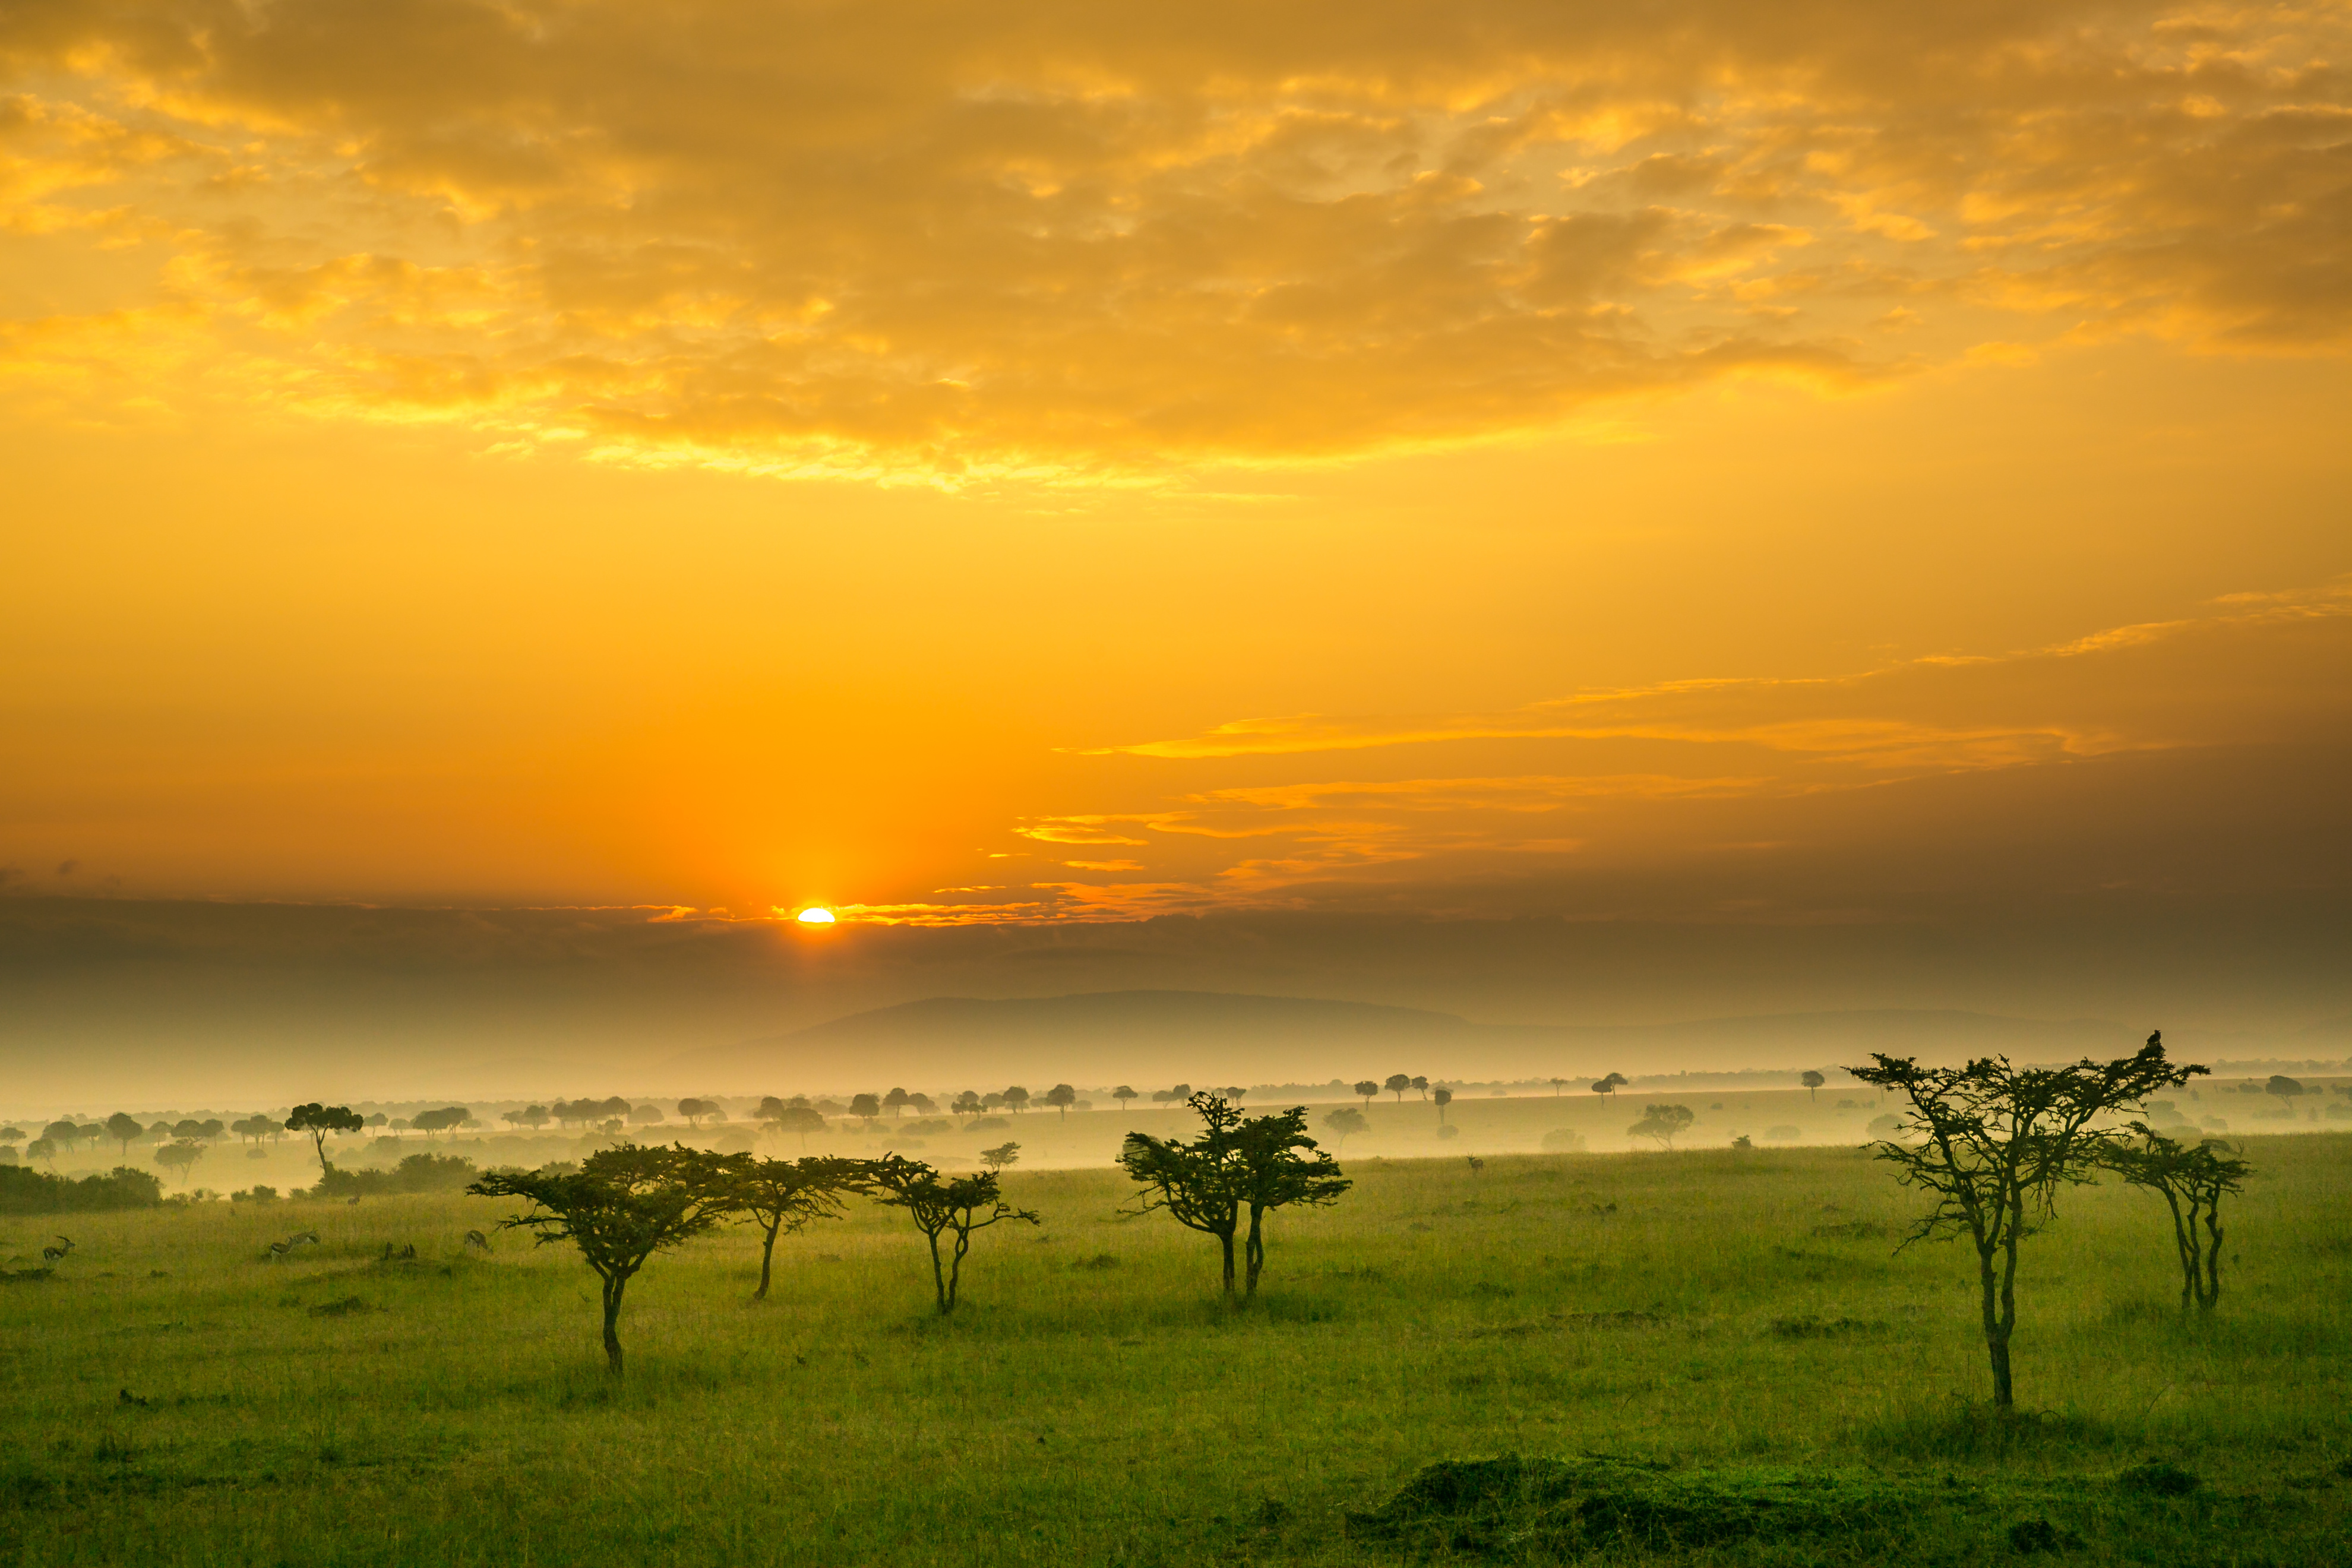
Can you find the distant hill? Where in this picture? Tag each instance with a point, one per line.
(1207, 1036)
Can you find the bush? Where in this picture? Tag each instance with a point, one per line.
(417, 1173)
(1449, 1131)
(1785, 1135)
(987, 1124)
(1563, 1140)
(24, 1190)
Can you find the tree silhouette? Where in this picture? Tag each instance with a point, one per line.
(1610, 1085)
(693, 1109)
(1004, 1154)
(1346, 1119)
(1061, 1097)
(1812, 1083)
(866, 1106)
(967, 1104)
(1192, 1180)
(1272, 1165)
(43, 1150)
(2286, 1089)
(1421, 1085)
(895, 1101)
(802, 1119)
(1397, 1084)
(957, 1207)
(1994, 1144)
(181, 1156)
(1661, 1123)
(1556, 1084)
(1017, 1098)
(2192, 1180)
(431, 1121)
(122, 1128)
(531, 1116)
(1367, 1088)
(771, 1110)
(1122, 1094)
(621, 1207)
(780, 1197)
(1443, 1098)
(318, 1120)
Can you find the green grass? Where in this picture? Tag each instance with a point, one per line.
(1073, 1413)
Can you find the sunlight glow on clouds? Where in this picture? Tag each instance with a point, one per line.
(1062, 242)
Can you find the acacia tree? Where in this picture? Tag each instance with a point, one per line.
(1367, 1088)
(1061, 1097)
(1442, 1098)
(1421, 1085)
(318, 1120)
(801, 1119)
(1610, 1085)
(895, 1101)
(780, 1197)
(1398, 1082)
(1661, 1123)
(181, 1156)
(1004, 1154)
(956, 1206)
(2191, 1179)
(1017, 1098)
(1272, 1164)
(693, 1109)
(1193, 1181)
(865, 1107)
(1122, 1094)
(1346, 1120)
(1812, 1083)
(1994, 1144)
(123, 1127)
(620, 1207)
(967, 1104)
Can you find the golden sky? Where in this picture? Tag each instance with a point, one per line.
(1057, 462)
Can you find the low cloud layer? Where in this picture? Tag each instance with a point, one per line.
(1067, 242)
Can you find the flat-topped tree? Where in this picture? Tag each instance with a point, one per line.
(1366, 1088)
(620, 1207)
(123, 1126)
(1398, 1082)
(800, 1119)
(895, 1101)
(780, 1197)
(1345, 1120)
(1123, 1093)
(1995, 1142)
(315, 1119)
(942, 1207)
(1192, 1180)
(1610, 1085)
(1017, 1099)
(1271, 1162)
(1061, 1097)
(1661, 1123)
(2191, 1179)
(1004, 1154)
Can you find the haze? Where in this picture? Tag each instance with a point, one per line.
(1573, 519)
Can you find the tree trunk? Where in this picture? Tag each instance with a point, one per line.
(614, 1286)
(1256, 1255)
(767, 1260)
(939, 1276)
(2211, 1294)
(1226, 1240)
(955, 1266)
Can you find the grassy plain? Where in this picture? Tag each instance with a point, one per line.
(1733, 1314)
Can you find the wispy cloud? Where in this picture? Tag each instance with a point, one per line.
(911, 240)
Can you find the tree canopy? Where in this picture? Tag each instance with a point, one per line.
(781, 1196)
(315, 1119)
(621, 1207)
(942, 1206)
(1994, 1144)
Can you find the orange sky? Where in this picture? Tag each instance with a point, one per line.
(1074, 462)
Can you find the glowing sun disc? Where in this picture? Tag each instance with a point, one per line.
(814, 915)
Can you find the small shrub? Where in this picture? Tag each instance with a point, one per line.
(1563, 1140)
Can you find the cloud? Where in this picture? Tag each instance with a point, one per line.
(1729, 765)
(1054, 242)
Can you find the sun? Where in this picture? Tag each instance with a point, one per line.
(815, 915)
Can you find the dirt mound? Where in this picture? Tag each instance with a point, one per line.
(1514, 1504)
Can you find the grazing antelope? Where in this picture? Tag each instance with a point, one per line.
(58, 1254)
(1477, 1164)
(476, 1239)
(278, 1249)
(303, 1237)
(390, 1256)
